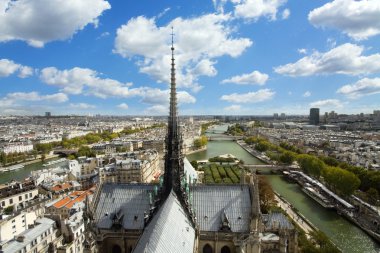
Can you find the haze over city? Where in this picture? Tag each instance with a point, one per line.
(233, 57)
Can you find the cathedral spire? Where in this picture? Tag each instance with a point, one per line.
(173, 157)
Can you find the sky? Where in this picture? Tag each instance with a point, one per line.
(233, 57)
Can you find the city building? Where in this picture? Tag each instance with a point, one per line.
(17, 194)
(66, 206)
(142, 167)
(314, 116)
(42, 237)
(16, 147)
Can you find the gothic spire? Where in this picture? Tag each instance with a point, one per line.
(173, 158)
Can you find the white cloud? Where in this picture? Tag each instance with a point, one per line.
(198, 42)
(123, 106)
(327, 103)
(157, 110)
(161, 97)
(307, 94)
(345, 59)
(35, 96)
(252, 78)
(161, 14)
(250, 97)
(82, 106)
(13, 101)
(40, 21)
(233, 108)
(302, 50)
(285, 14)
(254, 9)
(87, 81)
(358, 19)
(363, 87)
(8, 67)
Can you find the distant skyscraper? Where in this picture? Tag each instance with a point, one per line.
(47, 114)
(314, 116)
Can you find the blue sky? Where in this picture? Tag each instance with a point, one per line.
(246, 57)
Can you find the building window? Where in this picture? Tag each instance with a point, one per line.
(20, 198)
(207, 249)
(3, 203)
(26, 196)
(10, 201)
(30, 195)
(225, 249)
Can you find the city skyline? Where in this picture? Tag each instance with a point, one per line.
(233, 57)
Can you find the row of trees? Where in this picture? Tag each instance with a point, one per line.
(338, 176)
(90, 138)
(11, 158)
(205, 126)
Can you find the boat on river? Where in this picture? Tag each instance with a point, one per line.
(54, 162)
(314, 194)
(13, 168)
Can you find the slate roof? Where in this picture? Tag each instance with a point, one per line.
(210, 202)
(128, 200)
(169, 231)
(276, 220)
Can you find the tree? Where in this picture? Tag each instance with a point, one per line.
(194, 163)
(287, 157)
(43, 157)
(266, 194)
(343, 181)
(200, 142)
(311, 165)
(262, 146)
(86, 151)
(373, 196)
(34, 153)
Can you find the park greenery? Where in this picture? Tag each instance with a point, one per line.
(221, 174)
(205, 126)
(341, 177)
(218, 159)
(235, 129)
(200, 142)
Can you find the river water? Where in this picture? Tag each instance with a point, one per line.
(344, 234)
(6, 177)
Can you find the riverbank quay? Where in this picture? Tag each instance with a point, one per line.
(197, 150)
(253, 152)
(298, 218)
(3, 169)
(357, 213)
